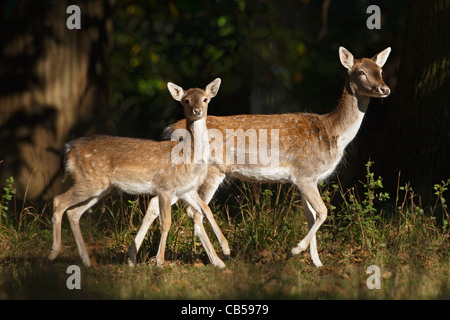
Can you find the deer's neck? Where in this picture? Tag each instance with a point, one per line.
(199, 141)
(346, 119)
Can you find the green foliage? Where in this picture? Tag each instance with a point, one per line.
(441, 204)
(157, 42)
(359, 217)
(373, 222)
(8, 192)
(267, 53)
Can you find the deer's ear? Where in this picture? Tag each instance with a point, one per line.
(346, 58)
(176, 91)
(380, 59)
(212, 88)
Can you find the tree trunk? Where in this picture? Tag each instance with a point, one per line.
(52, 87)
(416, 132)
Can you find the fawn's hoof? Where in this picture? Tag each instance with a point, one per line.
(289, 255)
(131, 262)
(52, 255)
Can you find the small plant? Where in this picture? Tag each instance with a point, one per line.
(8, 192)
(358, 217)
(408, 210)
(439, 190)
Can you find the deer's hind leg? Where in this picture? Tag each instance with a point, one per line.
(314, 204)
(150, 215)
(311, 218)
(76, 202)
(165, 217)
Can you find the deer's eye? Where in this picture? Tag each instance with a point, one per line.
(205, 100)
(186, 101)
(361, 73)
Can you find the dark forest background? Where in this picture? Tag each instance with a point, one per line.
(278, 56)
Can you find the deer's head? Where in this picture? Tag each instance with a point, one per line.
(366, 75)
(195, 101)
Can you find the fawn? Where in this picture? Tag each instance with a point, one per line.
(309, 146)
(99, 164)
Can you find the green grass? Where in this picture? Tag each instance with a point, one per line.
(366, 226)
(36, 278)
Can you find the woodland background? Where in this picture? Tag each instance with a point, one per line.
(110, 77)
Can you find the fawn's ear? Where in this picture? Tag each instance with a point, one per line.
(176, 91)
(212, 88)
(380, 58)
(346, 58)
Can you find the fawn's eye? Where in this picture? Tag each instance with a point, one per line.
(361, 73)
(205, 100)
(186, 101)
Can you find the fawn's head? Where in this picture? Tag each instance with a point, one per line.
(195, 101)
(365, 75)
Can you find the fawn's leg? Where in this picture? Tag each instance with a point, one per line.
(70, 198)
(74, 215)
(200, 209)
(206, 191)
(150, 215)
(165, 215)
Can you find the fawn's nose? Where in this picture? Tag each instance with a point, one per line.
(384, 90)
(197, 111)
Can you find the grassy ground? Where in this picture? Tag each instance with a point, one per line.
(344, 277)
(408, 243)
